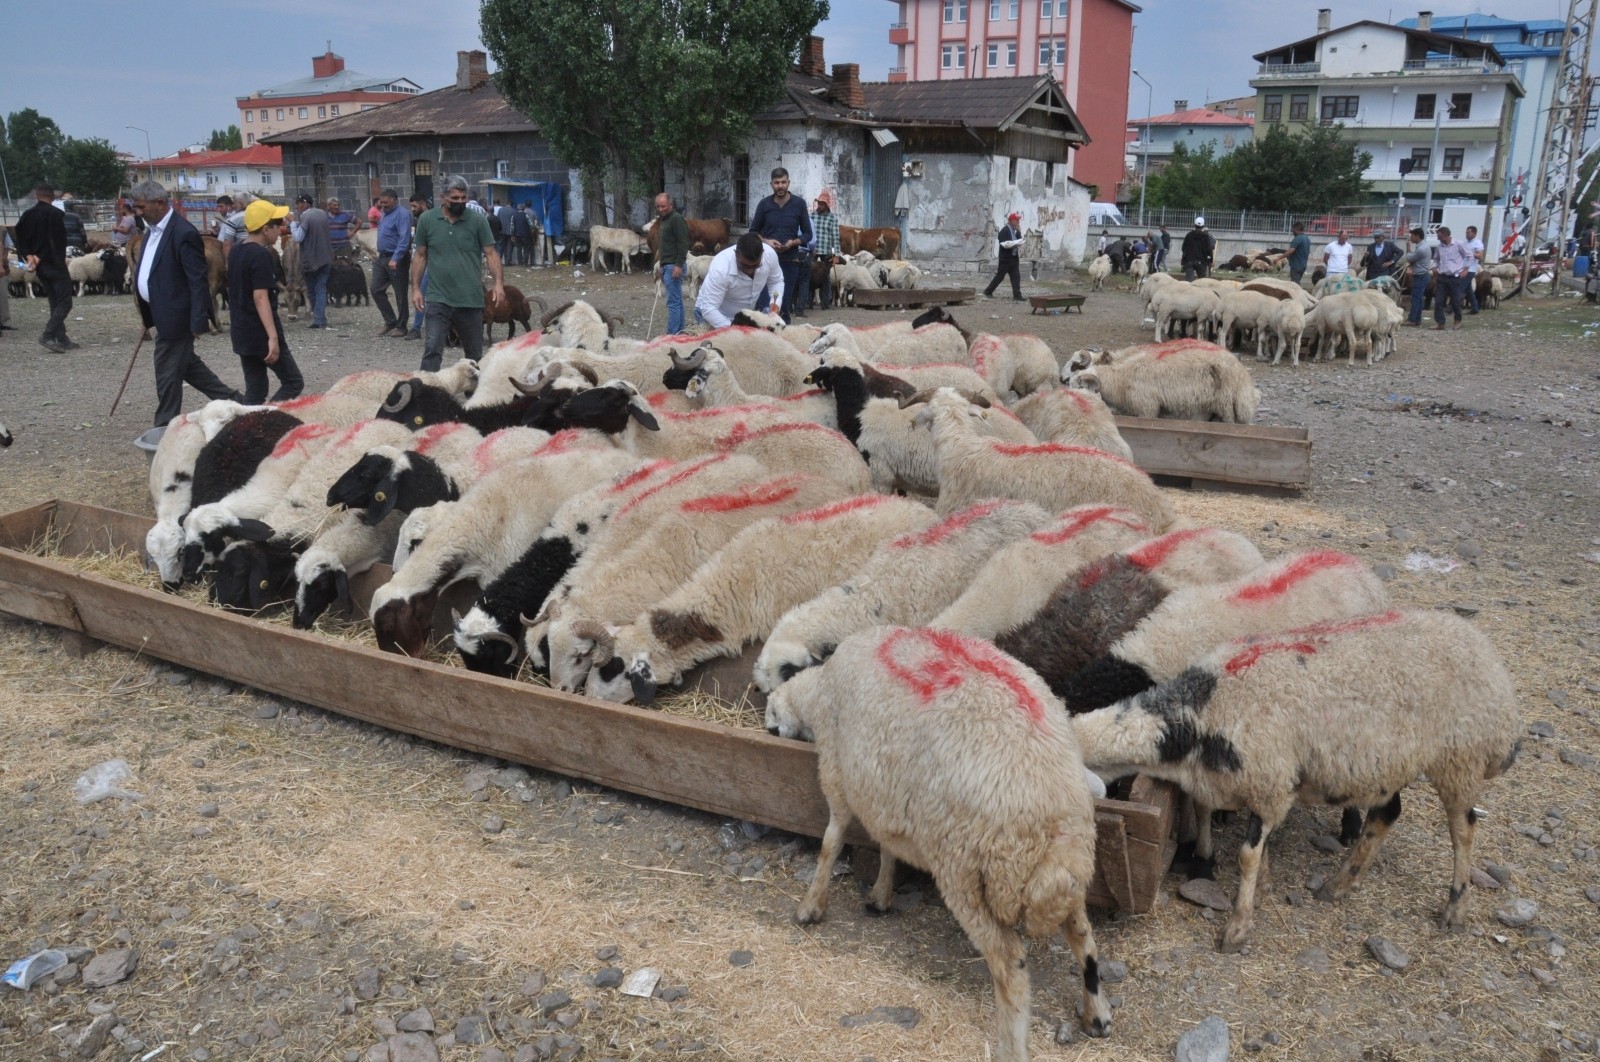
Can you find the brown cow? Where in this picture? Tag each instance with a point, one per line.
(884, 243)
(705, 236)
(216, 272)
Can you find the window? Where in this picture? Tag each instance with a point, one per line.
(994, 10)
(303, 113)
(372, 171)
(1047, 9)
(280, 114)
(1011, 171)
(953, 56)
(1274, 109)
(1011, 54)
(1421, 160)
(1453, 159)
(336, 110)
(1336, 107)
(322, 111)
(1053, 51)
(955, 10)
(233, 178)
(266, 176)
(1299, 107)
(211, 179)
(264, 114)
(502, 168)
(1460, 105)
(1425, 105)
(1049, 175)
(249, 138)
(994, 55)
(249, 116)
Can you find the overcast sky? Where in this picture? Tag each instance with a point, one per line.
(99, 66)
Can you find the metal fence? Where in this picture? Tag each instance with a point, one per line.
(1326, 223)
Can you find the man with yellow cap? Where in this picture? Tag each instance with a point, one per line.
(258, 336)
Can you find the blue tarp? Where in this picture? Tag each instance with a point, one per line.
(544, 198)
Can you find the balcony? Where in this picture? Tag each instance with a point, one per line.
(1475, 66)
(1288, 69)
(897, 74)
(899, 33)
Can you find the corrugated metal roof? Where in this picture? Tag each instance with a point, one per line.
(443, 112)
(343, 81)
(980, 103)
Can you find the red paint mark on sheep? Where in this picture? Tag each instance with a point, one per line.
(639, 475)
(983, 348)
(1076, 521)
(772, 492)
(1159, 551)
(720, 411)
(662, 342)
(1055, 449)
(659, 399)
(938, 533)
(801, 395)
(1290, 575)
(434, 434)
(293, 404)
(561, 442)
(1162, 351)
(1078, 398)
(836, 509)
(683, 473)
(742, 433)
(952, 657)
(1304, 641)
(298, 437)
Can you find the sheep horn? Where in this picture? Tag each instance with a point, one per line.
(613, 322)
(543, 309)
(524, 389)
(917, 399)
(692, 360)
(403, 389)
(501, 636)
(605, 646)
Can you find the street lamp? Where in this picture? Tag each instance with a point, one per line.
(1149, 97)
(148, 161)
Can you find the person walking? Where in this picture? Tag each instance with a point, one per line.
(1474, 248)
(1008, 240)
(508, 229)
(1336, 255)
(174, 298)
(392, 267)
(41, 237)
(672, 255)
(1418, 262)
(417, 204)
(522, 236)
(256, 329)
(736, 279)
(783, 224)
(1450, 276)
(1382, 257)
(310, 231)
(1165, 249)
(342, 227)
(1199, 250)
(452, 244)
(1299, 252)
(826, 226)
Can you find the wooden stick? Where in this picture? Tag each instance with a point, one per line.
(129, 374)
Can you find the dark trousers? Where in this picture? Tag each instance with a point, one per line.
(1191, 270)
(802, 285)
(59, 291)
(1471, 292)
(177, 364)
(438, 319)
(1419, 295)
(386, 278)
(290, 383)
(1009, 267)
(1447, 289)
(791, 285)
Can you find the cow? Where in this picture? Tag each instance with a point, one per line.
(705, 236)
(624, 242)
(883, 243)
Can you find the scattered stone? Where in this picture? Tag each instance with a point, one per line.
(533, 984)
(179, 678)
(1577, 758)
(510, 777)
(93, 1038)
(607, 953)
(741, 958)
(1326, 843)
(68, 973)
(492, 1054)
(1113, 971)
(673, 994)
(1502, 874)
(1557, 697)
(1206, 893)
(413, 1047)
(1206, 1042)
(551, 1002)
(384, 1026)
(610, 977)
(494, 824)
(905, 1017)
(366, 983)
(1592, 894)
(209, 811)
(1386, 572)
(1543, 976)
(1388, 953)
(473, 1029)
(1483, 880)
(1313, 959)
(419, 1020)
(1465, 609)
(1541, 730)
(1467, 549)
(1517, 913)
(110, 967)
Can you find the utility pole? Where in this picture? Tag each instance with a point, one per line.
(1144, 179)
(1433, 157)
(1568, 118)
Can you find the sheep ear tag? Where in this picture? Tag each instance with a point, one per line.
(383, 501)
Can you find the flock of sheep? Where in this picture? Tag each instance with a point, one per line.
(964, 590)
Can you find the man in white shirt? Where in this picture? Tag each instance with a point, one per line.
(1474, 247)
(735, 280)
(1336, 256)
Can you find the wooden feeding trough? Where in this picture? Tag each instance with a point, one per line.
(909, 298)
(1049, 304)
(1211, 454)
(739, 773)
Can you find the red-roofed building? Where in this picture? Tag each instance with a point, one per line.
(330, 92)
(1193, 127)
(257, 169)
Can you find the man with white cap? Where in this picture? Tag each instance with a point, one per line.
(1199, 248)
(1010, 238)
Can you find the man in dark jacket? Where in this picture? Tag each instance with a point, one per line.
(1009, 239)
(782, 222)
(672, 254)
(1199, 247)
(41, 236)
(174, 298)
(1382, 257)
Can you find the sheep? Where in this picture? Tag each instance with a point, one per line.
(509, 311)
(171, 487)
(1346, 713)
(252, 574)
(713, 384)
(898, 274)
(336, 411)
(906, 581)
(957, 760)
(347, 284)
(1147, 289)
(739, 594)
(419, 405)
(887, 343)
(800, 446)
(625, 243)
(6, 438)
(578, 324)
(624, 582)
(480, 536)
(1175, 305)
(695, 268)
(1490, 289)
(798, 336)
(1245, 310)
(973, 467)
(1099, 270)
(1348, 315)
(1288, 325)
(390, 478)
(375, 385)
(87, 269)
(1073, 417)
(1198, 382)
(1017, 581)
(350, 546)
(847, 279)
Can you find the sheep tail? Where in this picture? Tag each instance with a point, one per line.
(1056, 885)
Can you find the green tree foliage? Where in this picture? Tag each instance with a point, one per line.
(1301, 173)
(90, 169)
(1192, 179)
(229, 139)
(621, 87)
(31, 144)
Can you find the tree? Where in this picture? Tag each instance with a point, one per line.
(229, 139)
(31, 145)
(1300, 173)
(621, 88)
(90, 169)
(1195, 180)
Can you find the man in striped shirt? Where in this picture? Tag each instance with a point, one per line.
(1451, 261)
(825, 227)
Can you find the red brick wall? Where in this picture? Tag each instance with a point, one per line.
(1101, 99)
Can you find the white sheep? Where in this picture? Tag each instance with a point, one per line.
(1189, 382)
(1351, 316)
(847, 278)
(935, 343)
(1243, 311)
(1035, 366)
(1288, 325)
(1345, 713)
(374, 385)
(957, 760)
(741, 592)
(715, 385)
(907, 581)
(1099, 271)
(973, 467)
(1147, 289)
(1139, 268)
(1073, 417)
(1177, 304)
(577, 324)
(798, 336)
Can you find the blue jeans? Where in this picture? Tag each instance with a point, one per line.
(416, 318)
(673, 285)
(1419, 295)
(317, 293)
(1471, 289)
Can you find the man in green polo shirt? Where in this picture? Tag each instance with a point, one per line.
(452, 244)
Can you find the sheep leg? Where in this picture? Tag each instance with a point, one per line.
(1379, 819)
(1252, 857)
(881, 897)
(1003, 949)
(1095, 1018)
(1349, 827)
(1463, 823)
(815, 903)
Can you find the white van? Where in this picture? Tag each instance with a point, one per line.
(1103, 214)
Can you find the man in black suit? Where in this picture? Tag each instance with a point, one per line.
(174, 299)
(41, 236)
(1009, 238)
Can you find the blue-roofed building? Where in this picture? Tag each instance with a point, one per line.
(1530, 49)
(330, 92)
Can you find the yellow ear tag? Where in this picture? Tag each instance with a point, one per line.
(379, 496)
(263, 584)
(417, 421)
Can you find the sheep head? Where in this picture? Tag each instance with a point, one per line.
(399, 397)
(826, 341)
(608, 407)
(1085, 380)
(322, 581)
(484, 647)
(692, 360)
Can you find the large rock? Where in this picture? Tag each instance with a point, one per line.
(1206, 1042)
(110, 967)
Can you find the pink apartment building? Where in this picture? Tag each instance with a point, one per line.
(1087, 45)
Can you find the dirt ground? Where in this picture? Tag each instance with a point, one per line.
(297, 885)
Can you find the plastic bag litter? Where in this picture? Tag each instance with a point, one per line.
(24, 972)
(1418, 561)
(104, 780)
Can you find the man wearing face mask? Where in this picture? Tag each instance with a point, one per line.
(452, 244)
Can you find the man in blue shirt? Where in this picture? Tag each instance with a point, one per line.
(393, 265)
(1299, 252)
(783, 224)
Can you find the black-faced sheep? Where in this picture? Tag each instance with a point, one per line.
(6, 438)
(958, 760)
(1346, 714)
(419, 405)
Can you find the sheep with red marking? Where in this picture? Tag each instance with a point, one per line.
(958, 760)
(374, 385)
(1189, 382)
(973, 467)
(710, 382)
(1074, 418)
(906, 581)
(741, 592)
(898, 343)
(1346, 713)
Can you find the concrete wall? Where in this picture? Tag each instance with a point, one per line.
(962, 200)
(1362, 50)
(817, 157)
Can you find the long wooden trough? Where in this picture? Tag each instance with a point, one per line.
(1197, 453)
(909, 298)
(739, 773)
